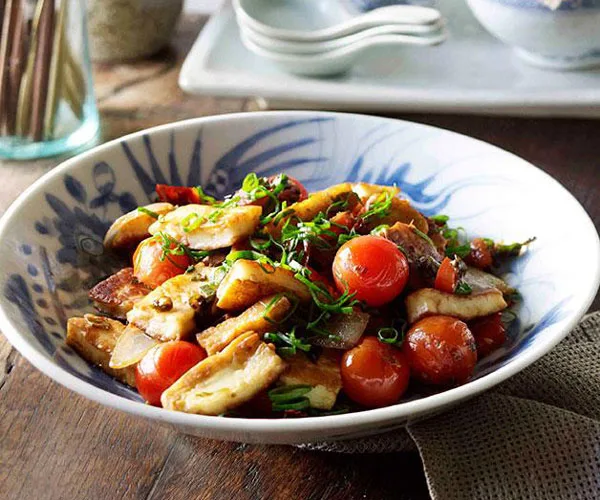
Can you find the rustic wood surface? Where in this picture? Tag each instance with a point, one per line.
(55, 444)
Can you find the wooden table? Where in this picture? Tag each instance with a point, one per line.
(56, 445)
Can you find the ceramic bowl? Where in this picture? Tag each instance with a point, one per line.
(52, 241)
(554, 34)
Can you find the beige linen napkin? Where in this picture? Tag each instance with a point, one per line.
(536, 436)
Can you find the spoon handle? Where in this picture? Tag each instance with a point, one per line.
(400, 40)
(401, 14)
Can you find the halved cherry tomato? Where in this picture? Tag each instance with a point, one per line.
(446, 278)
(372, 267)
(441, 350)
(177, 195)
(374, 374)
(150, 269)
(481, 254)
(163, 365)
(489, 333)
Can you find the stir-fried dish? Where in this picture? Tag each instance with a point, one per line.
(276, 303)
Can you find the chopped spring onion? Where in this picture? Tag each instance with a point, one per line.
(144, 210)
(290, 397)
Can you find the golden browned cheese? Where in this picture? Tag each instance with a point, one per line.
(94, 338)
(192, 225)
(131, 228)
(324, 377)
(365, 190)
(227, 379)
(430, 302)
(308, 209)
(117, 294)
(247, 282)
(254, 319)
(168, 312)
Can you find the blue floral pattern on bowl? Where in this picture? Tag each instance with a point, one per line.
(57, 254)
(566, 5)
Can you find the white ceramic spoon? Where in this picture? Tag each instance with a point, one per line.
(336, 61)
(290, 47)
(320, 20)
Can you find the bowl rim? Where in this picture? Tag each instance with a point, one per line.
(269, 427)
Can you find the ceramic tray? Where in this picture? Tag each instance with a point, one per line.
(472, 72)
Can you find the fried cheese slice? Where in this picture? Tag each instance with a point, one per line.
(205, 227)
(94, 338)
(131, 228)
(248, 281)
(227, 379)
(430, 302)
(259, 318)
(324, 377)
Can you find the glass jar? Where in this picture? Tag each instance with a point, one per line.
(47, 104)
(130, 29)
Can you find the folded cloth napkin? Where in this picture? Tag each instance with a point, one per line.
(536, 436)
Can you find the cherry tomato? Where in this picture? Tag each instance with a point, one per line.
(374, 374)
(162, 365)
(446, 278)
(150, 269)
(481, 254)
(177, 195)
(372, 267)
(440, 350)
(294, 191)
(489, 333)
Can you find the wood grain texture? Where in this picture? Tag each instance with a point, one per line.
(55, 444)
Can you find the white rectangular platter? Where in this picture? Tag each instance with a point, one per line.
(471, 73)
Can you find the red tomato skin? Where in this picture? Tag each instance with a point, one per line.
(163, 365)
(150, 270)
(481, 254)
(446, 278)
(294, 185)
(489, 333)
(440, 350)
(374, 374)
(372, 267)
(177, 195)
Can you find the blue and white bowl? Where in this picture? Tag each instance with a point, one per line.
(553, 34)
(52, 240)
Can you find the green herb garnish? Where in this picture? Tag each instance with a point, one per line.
(461, 251)
(144, 210)
(380, 208)
(204, 198)
(292, 298)
(287, 344)
(170, 246)
(512, 250)
(388, 335)
(440, 219)
(290, 397)
(463, 289)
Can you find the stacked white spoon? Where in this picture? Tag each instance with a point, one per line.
(322, 37)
